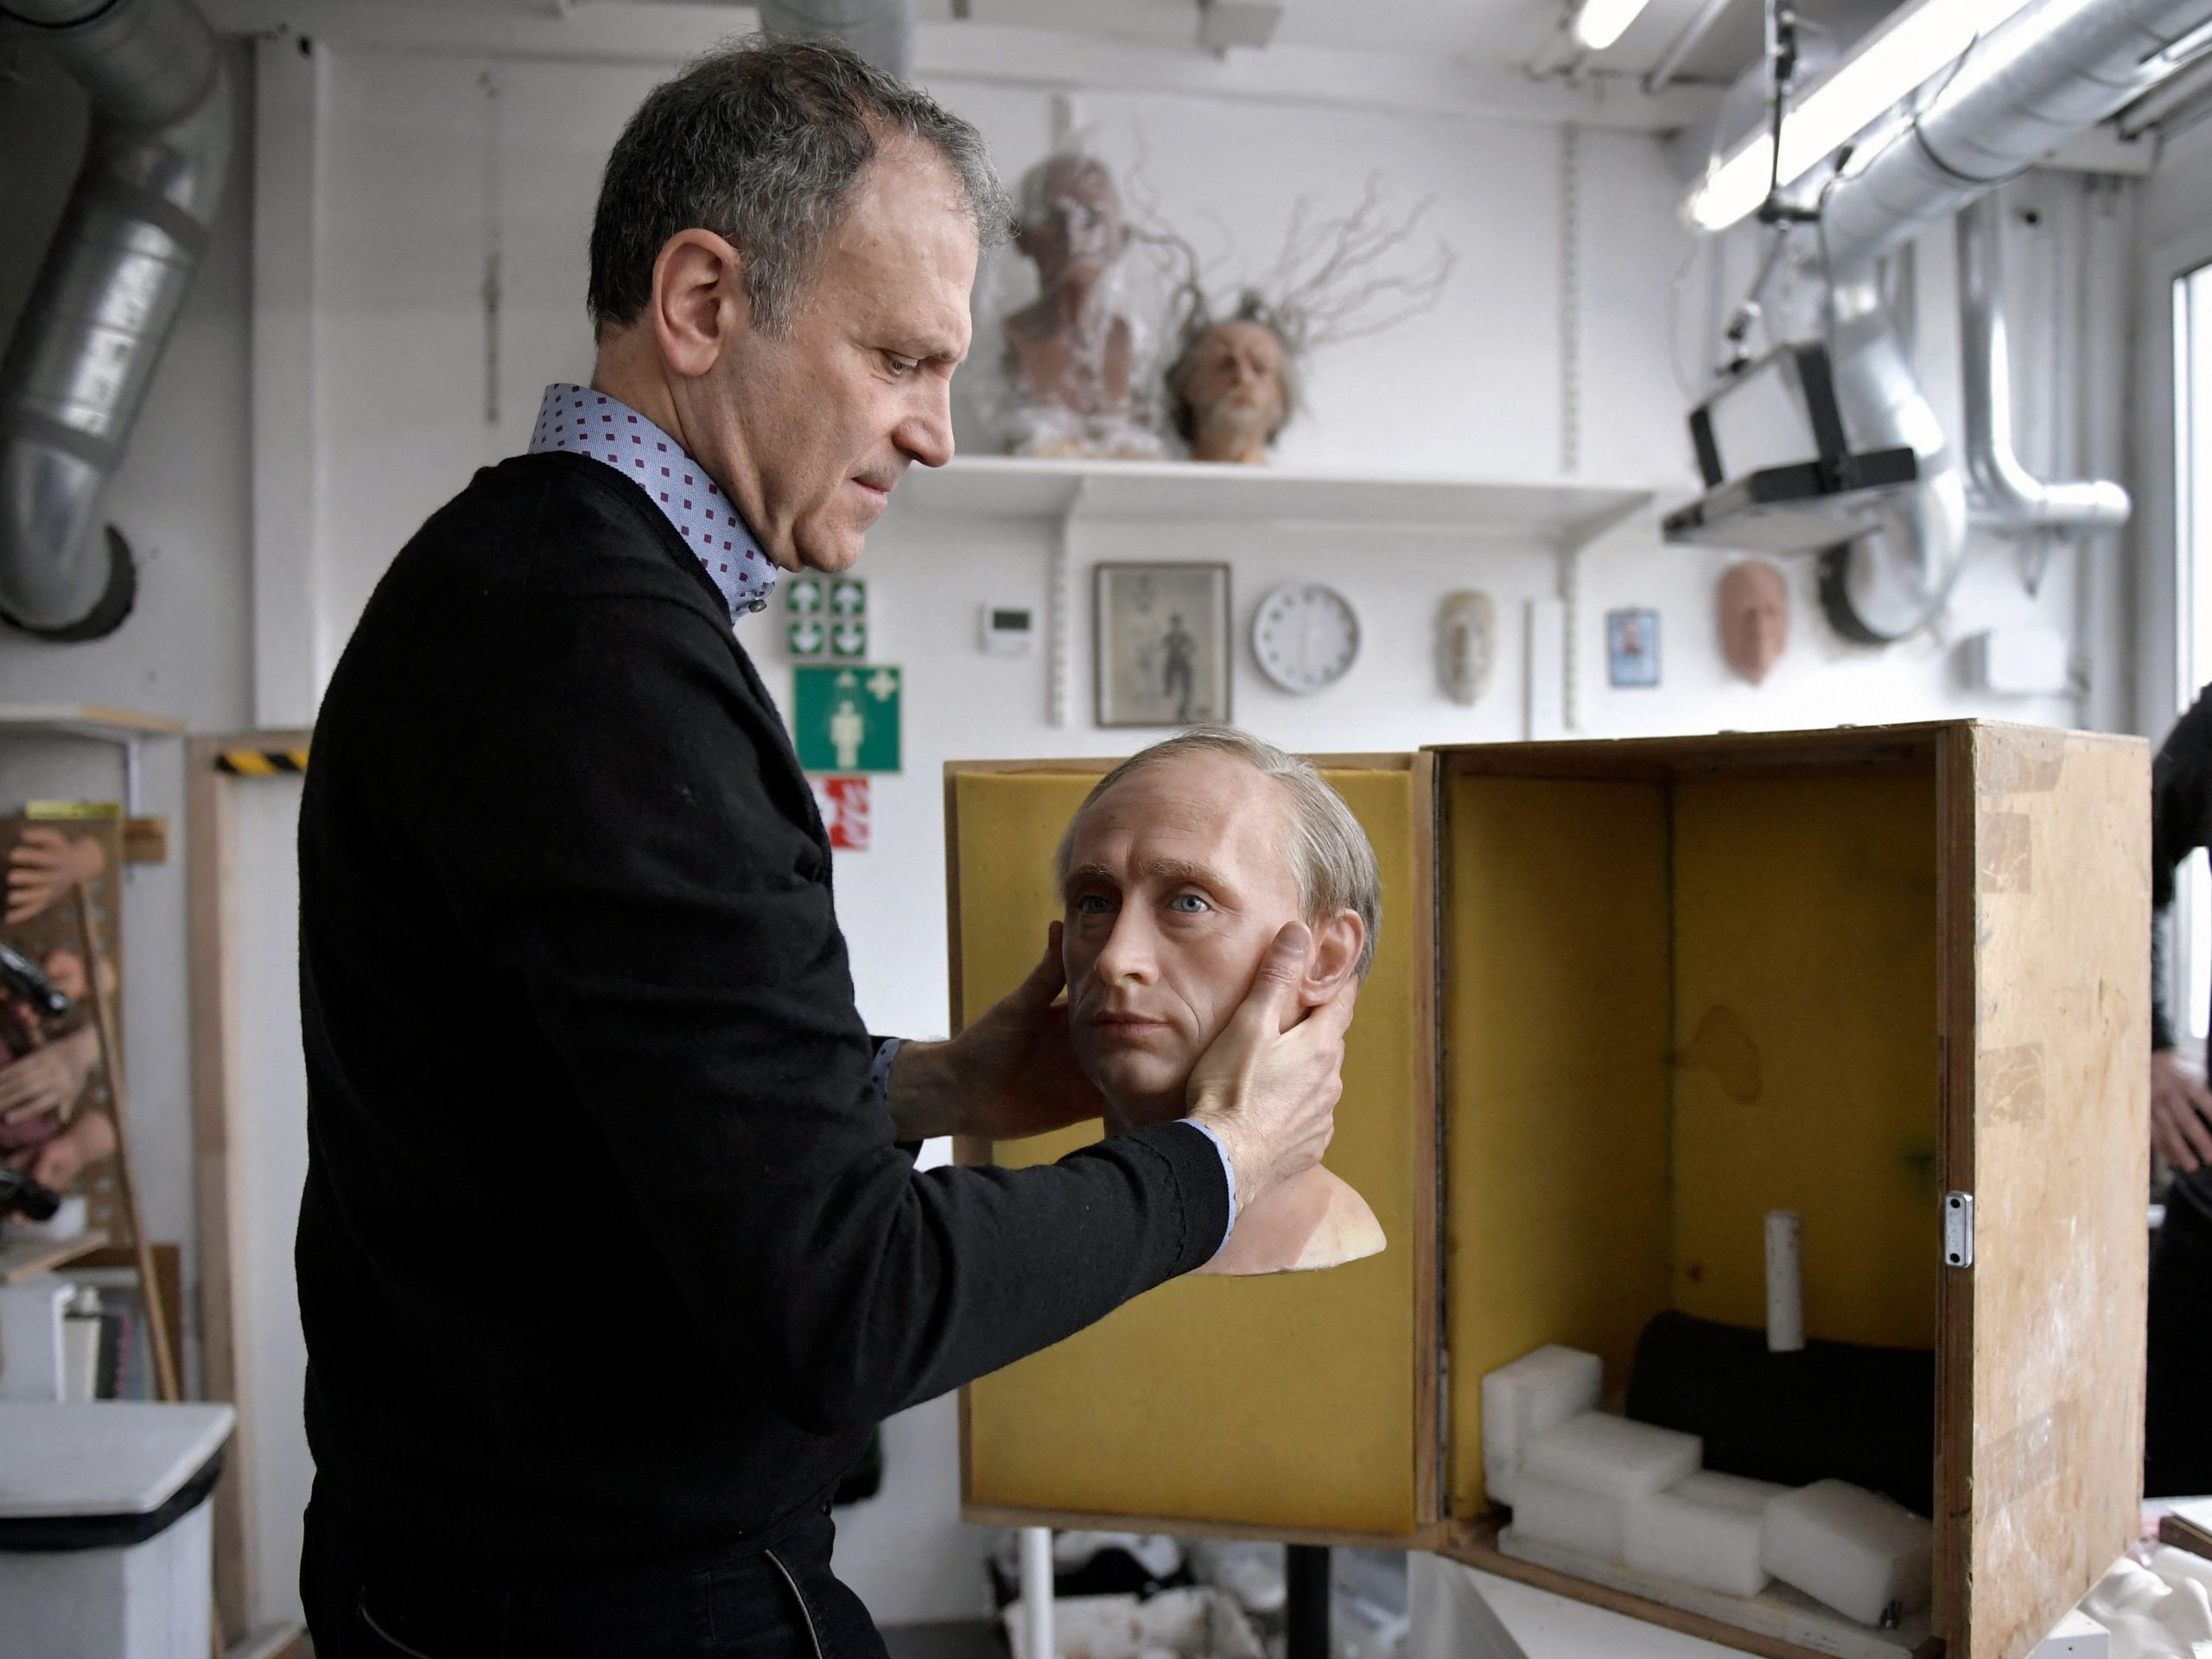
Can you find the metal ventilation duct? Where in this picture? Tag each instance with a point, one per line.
(2056, 69)
(2006, 494)
(882, 31)
(85, 350)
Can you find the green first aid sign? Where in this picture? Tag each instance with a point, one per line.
(845, 717)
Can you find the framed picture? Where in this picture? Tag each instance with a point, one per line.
(1632, 647)
(1161, 644)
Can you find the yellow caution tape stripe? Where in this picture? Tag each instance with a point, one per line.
(261, 763)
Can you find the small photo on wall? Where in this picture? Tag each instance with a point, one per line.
(1632, 647)
(1161, 644)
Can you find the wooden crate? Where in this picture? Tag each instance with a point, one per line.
(1657, 987)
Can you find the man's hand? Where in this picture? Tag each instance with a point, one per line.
(49, 1079)
(2181, 1113)
(60, 1160)
(43, 868)
(1268, 1087)
(1010, 1074)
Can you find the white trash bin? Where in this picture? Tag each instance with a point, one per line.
(105, 1545)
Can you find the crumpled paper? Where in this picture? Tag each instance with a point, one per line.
(2157, 1608)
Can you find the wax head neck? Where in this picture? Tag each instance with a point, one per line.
(1233, 386)
(1754, 619)
(1179, 878)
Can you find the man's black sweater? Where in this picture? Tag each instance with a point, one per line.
(607, 1252)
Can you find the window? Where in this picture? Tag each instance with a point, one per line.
(2192, 300)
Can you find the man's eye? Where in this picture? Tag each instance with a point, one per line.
(900, 367)
(1093, 903)
(1189, 904)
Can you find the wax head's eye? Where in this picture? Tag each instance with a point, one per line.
(1189, 904)
(1093, 903)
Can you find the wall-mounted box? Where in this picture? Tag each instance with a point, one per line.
(1629, 996)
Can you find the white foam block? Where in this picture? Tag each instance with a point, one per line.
(1556, 1514)
(1855, 1550)
(1705, 1529)
(1613, 1456)
(1535, 1393)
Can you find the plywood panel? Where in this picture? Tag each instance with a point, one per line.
(1277, 1405)
(1805, 1022)
(2048, 1131)
(1554, 1001)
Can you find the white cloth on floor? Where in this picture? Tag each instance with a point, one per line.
(2161, 1610)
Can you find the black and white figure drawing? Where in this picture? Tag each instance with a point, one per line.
(1161, 644)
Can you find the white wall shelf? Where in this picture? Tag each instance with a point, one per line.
(1564, 513)
(120, 727)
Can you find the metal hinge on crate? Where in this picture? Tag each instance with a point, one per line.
(1958, 1230)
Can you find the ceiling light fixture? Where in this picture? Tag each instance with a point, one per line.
(1599, 23)
(1911, 47)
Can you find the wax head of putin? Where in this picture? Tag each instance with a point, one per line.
(1176, 874)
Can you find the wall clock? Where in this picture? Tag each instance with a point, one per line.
(1305, 635)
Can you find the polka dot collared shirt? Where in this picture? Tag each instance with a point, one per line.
(587, 422)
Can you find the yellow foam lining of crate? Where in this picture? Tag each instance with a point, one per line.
(1669, 1007)
(1280, 1403)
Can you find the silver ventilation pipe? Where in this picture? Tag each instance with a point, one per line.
(2054, 70)
(2007, 494)
(85, 350)
(882, 31)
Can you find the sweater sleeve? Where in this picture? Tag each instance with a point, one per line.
(623, 855)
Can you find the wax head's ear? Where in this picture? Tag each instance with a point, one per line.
(699, 307)
(1338, 941)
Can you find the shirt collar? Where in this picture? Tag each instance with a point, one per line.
(582, 422)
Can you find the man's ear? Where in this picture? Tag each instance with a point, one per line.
(699, 305)
(1338, 942)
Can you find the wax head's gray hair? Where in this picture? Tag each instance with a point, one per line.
(762, 141)
(1330, 854)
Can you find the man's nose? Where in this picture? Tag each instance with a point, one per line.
(1127, 955)
(925, 434)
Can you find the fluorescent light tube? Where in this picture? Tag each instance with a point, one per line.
(1913, 45)
(1599, 23)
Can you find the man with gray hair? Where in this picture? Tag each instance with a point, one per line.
(604, 1284)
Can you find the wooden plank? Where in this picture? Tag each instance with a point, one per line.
(1954, 979)
(1632, 759)
(218, 1201)
(2052, 1139)
(85, 720)
(1476, 1545)
(20, 1258)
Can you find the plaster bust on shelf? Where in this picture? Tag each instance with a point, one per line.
(1176, 873)
(1070, 352)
